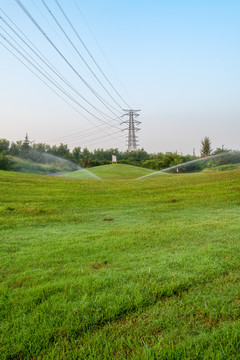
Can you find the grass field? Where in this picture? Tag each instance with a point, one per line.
(119, 268)
(113, 171)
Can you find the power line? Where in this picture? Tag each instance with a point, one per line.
(89, 53)
(75, 48)
(69, 49)
(52, 67)
(76, 135)
(34, 66)
(43, 80)
(80, 134)
(97, 142)
(46, 75)
(60, 53)
(103, 53)
(94, 139)
(49, 23)
(59, 88)
(115, 138)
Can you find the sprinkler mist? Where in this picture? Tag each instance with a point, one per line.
(226, 160)
(44, 163)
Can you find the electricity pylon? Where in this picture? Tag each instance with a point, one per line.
(132, 129)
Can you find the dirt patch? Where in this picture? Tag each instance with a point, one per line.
(21, 282)
(36, 210)
(99, 265)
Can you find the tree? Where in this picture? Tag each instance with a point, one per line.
(4, 146)
(76, 154)
(63, 151)
(26, 147)
(220, 151)
(206, 147)
(86, 158)
(15, 148)
(5, 162)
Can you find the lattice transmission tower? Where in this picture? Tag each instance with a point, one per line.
(132, 128)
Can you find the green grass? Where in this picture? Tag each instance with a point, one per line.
(111, 172)
(158, 281)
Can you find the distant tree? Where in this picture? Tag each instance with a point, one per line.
(86, 162)
(205, 147)
(86, 158)
(15, 148)
(76, 154)
(5, 162)
(63, 151)
(100, 154)
(41, 147)
(228, 156)
(37, 153)
(4, 146)
(26, 147)
(60, 151)
(53, 150)
(220, 151)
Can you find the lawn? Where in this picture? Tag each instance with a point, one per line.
(120, 268)
(113, 171)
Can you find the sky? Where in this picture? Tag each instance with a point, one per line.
(176, 60)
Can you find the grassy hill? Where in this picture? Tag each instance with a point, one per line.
(110, 172)
(118, 269)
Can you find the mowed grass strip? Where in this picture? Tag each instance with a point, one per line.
(112, 171)
(160, 280)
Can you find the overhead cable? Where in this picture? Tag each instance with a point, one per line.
(89, 53)
(60, 53)
(103, 53)
(80, 134)
(32, 71)
(75, 48)
(54, 70)
(52, 80)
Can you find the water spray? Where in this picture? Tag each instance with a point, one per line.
(190, 162)
(45, 163)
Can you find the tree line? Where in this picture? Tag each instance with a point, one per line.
(85, 158)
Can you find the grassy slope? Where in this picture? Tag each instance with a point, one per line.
(75, 287)
(111, 171)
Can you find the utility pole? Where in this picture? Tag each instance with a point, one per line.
(132, 129)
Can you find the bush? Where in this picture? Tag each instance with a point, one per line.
(5, 163)
(223, 167)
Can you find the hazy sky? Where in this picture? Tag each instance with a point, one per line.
(176, 60)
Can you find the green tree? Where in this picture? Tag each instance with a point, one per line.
(61, 151)
(26, 147)
(41, 147)
(86, 158)
(5, 162)
(76, 154)
(15, 148)
(4, 146)
(38, 152)
(205, 147)
(220, 151)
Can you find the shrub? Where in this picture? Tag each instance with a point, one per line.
(5, 163)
